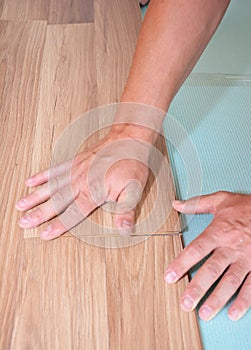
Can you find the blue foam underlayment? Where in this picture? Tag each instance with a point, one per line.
(215, 112)
(217, 119)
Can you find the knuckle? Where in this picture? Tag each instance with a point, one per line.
(58, 198)
(53, 185)
(196, 250)
(223, 256)
(36, 196)
(87, 198)
(73, 211)
(214, 268)
(223, 194)
(233, 279)
(195, 291)
(95, 192)
(221, 197)
(215, 302)
(58, 201)
(37, 213)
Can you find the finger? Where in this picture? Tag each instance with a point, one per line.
(44, 176)
(210, 271)
(192, 254)
(124, 219)
(38, 179)
(43, 193)
(243, 301)
(46, 211)
(72, 216)
(200, 204)
(225, 289)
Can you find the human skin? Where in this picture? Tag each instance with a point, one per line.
(228, 238)
(173, 36)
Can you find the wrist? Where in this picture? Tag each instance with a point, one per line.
(134, 131)
(138, 121)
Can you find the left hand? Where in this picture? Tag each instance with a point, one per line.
(114, 169)
(228, 238)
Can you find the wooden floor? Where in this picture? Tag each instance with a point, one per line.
(58, 59)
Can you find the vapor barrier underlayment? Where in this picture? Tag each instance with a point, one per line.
(215, 111)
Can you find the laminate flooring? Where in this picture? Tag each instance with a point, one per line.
(52, 11)
(67, 294)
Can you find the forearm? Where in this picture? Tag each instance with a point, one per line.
(173, 36)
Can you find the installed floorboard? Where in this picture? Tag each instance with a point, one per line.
(71, 11)
(146, 315)
(71, 85)
(67, 86)
(66, 294)
(21, 47)
(1, 7)
(53, 11)
(117, 25)
(24, 10)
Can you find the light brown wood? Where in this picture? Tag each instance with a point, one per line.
(146, 315)
(1, 7)
(117, 24)
(53, 11)
(71, 11)
(66, 294)
(68, 61)
(24, 10)
(21, 47)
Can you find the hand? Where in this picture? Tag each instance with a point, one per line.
(114, 169)
(228, 238)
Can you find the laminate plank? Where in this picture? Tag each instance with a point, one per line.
(143, 310)
(67, 86)
(53, 11)
(71, 11)
(24, 10)
(71, 85)
(21, 47)
(67, 89)
(117, 24)
(1, 7)
(61, 297)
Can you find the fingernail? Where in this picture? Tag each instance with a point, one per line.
(126, 228)
(21, 203)
(170, 276)
(205, 312)
(46, 233)
(178, 202)
(126, 223)
(29, 181)
(234, 314)
(25, 220)
(187, 303)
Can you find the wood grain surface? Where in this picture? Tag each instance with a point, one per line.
(21, 48)
(67, 294)
(68, 60)
(52, 11)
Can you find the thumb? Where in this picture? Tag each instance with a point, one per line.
(124, 218)
(200, 204)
